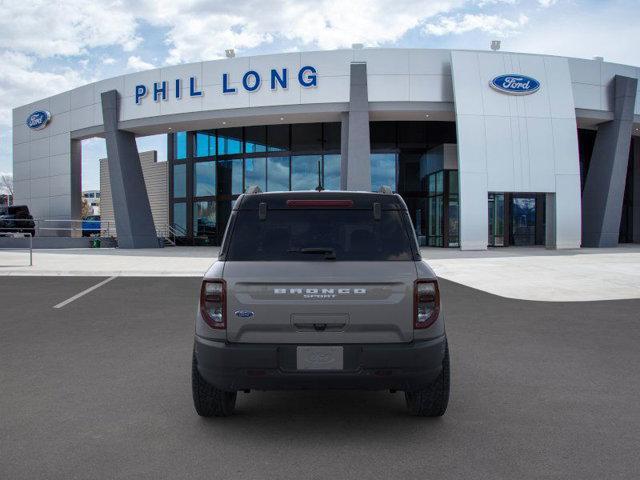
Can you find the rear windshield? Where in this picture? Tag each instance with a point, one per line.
(295, 235)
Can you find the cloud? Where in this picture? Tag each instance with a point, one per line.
(214, 26)
(66, 28)
(135, 63)
(491, 24)
(108, 61)
(587, 37)
(21, 83)
(547, 3)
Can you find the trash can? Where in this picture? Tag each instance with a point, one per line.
(95, 243)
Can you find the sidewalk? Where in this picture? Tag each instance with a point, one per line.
(522, 273)
(160, 262)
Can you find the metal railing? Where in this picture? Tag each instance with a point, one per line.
(45, 227)
(171, 233)
(20, 235)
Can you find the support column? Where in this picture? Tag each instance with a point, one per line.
(356, 158)
(76, 184)
(604, 186)
(344, 150)
(550, 224)
(636, 190)
(131, 208)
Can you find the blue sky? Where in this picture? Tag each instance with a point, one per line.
(48, 49)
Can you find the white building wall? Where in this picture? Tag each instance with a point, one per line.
(509, 143)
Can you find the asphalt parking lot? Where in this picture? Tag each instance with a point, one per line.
(100, 388)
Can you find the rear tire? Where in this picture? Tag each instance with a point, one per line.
(433, 400)
(208, 400)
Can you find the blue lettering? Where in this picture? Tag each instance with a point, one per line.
(178, 91)
(275, 77)
(256, 81)
(192, 88)
(310, 80)
(141, 92)
(157, 90)
(225, 84)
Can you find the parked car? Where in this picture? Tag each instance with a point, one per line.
(320, 290)
(91, 225)
(17, 219)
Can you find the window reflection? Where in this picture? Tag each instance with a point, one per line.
(204, 219)
(230, 177)
(205, 144)
(180, 146)
(304, 171)
(204, 179)
(244, 156)
(277, 174)
(180, 180)
(331, 172)
(255, 172)
(180, 217)
(383, 171)
(229, 141)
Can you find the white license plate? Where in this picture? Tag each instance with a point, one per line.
(320, 358)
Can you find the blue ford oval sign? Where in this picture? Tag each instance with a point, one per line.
(244, 313)
(38, 119)
(515, 84)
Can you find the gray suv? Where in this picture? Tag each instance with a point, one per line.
(320, 290)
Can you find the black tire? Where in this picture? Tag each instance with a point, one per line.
(433, 400)
(207, 399)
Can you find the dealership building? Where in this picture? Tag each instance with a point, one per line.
(486, 148)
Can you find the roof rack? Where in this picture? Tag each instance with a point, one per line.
(253, 189)
(385, 190)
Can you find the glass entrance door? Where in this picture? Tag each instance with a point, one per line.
(523, 220)
(496, 220)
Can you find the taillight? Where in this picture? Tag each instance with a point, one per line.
(213, 303)
(426, 303)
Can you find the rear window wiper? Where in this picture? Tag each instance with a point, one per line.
(329, 253)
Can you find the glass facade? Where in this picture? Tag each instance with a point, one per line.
(211, 168)
(409, 158)
(180, 180)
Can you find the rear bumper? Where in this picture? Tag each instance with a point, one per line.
(410, 366)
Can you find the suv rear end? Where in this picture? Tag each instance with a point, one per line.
(317, 290)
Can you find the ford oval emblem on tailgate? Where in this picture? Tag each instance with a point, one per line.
(244, 313)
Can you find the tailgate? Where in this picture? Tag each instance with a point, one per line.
(320, 302)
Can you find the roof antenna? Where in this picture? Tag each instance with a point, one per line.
(320, 187)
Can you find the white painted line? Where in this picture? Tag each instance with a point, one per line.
(84, 292)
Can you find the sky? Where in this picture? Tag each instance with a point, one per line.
(48, 46)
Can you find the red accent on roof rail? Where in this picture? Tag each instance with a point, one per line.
(320, 203)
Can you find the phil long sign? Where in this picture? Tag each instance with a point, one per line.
(250, 81)
(515, 84)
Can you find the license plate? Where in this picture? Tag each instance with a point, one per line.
(320, 358)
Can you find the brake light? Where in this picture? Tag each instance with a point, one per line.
(426, 303)
(213, 303)
(320, 203)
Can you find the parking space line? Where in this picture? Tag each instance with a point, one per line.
(84, 292)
